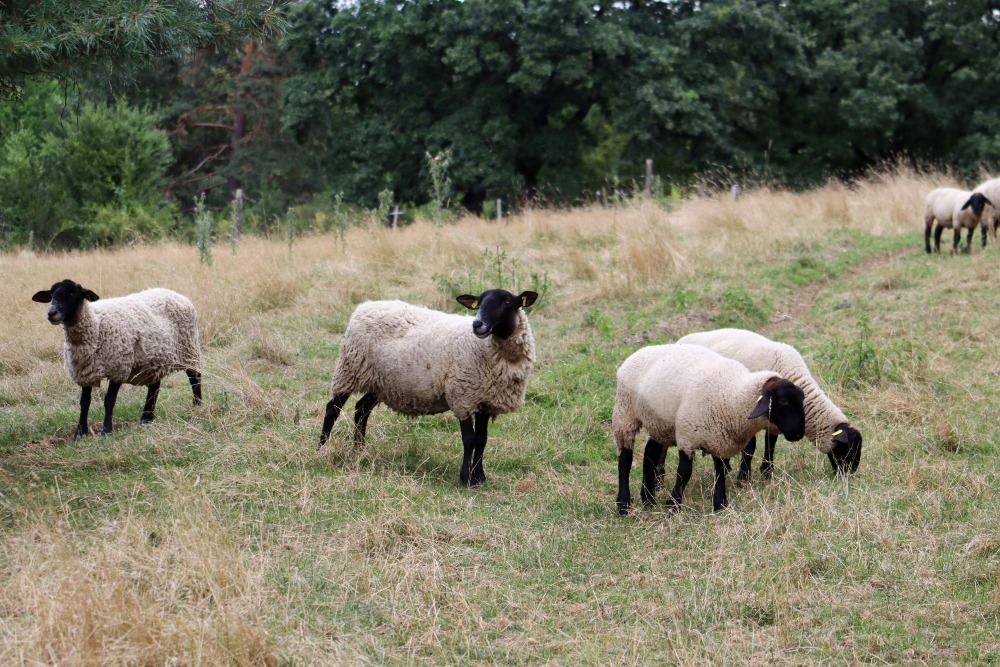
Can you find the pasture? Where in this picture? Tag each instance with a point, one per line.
(219, 535)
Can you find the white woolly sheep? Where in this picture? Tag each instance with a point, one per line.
(953, 209)
(694, 398)
(136, 339)
(419, 362)
(826, 425)
(990, 219)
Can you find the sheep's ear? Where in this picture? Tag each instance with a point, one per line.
(45, 296)
(89, 295)
(527, 298)
(761, 407)
(469, 301)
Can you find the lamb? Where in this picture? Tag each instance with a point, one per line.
(826, 425)
(419, 362)
(136, 339)
(953, 209)
(692, 397)
(991, 215)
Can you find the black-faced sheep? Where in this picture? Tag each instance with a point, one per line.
(991, 214)
(826, 425)
(419, 362)
(953, 209)
(694, 398)
(136, 339)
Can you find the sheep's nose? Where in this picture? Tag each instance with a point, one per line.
(54, 316)
(479, 328)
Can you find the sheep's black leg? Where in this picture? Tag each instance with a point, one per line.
(927, 237)
(469, 445)
(982, 229)
(968, 241)
(333, 408)
(937, 238)
(650, 459)
(719, 501)
(362, 411)
(481, 427)
(685, 465)
(82, 428)
(746, 460)
(624, 470)
(767, 464)
(109, 405)
(150, 406)
(195, 378)
(661, 468)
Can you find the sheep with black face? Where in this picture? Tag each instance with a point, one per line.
(956, 209)
(696, 399)
(420, 362)
(136, 339)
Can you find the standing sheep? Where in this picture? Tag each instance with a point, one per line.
(953, 209)
(991, 214)
(136, 339)
(420, 362)
(826, 425)
(692, 397)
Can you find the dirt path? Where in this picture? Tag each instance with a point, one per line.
(800, 302)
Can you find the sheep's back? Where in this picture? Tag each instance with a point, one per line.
(404, 354)
(143, 337)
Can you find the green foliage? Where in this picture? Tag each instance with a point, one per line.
(74, 39)
(739, 308)
(497, 270)
(861, 362)
(95, 179)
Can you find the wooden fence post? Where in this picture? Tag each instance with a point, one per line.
(238, 212)
(648, 190)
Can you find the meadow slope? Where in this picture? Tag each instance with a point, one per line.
(219, 535)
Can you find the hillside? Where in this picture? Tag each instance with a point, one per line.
(219, 535)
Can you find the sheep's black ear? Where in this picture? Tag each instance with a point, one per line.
(469, 301)
(527, 298)
(45, 296)
(89, 295)
(761, 407)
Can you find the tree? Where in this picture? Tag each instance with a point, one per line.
(118, 37)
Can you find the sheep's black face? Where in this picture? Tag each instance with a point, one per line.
(783, 404)
(496, 311)
(846, 453)
(64, 300)
(977, 202)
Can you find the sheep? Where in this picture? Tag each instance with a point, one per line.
(692, 397)
(991, 215)
(826, 425)
(953, 209)
(420, 361)
(136, 339)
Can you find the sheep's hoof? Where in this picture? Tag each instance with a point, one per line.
(80, 433)
(623, 507)
(106, 431)
(146, 420)
(743, 481)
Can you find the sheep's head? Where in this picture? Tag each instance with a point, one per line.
(977, 202)
(783, 404)
(496, 311)
(64, 299)
(846, 453)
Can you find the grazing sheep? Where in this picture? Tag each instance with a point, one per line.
(826, 425)
(991, 214)
(953, 209)
(420, 362)
(692, 397)
(135, 339)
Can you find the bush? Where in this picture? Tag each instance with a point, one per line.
(96, 179)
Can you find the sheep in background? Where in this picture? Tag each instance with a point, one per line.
(954, 209)
(694, 398)
(826, 425)
(419, 362)
(136, 339)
